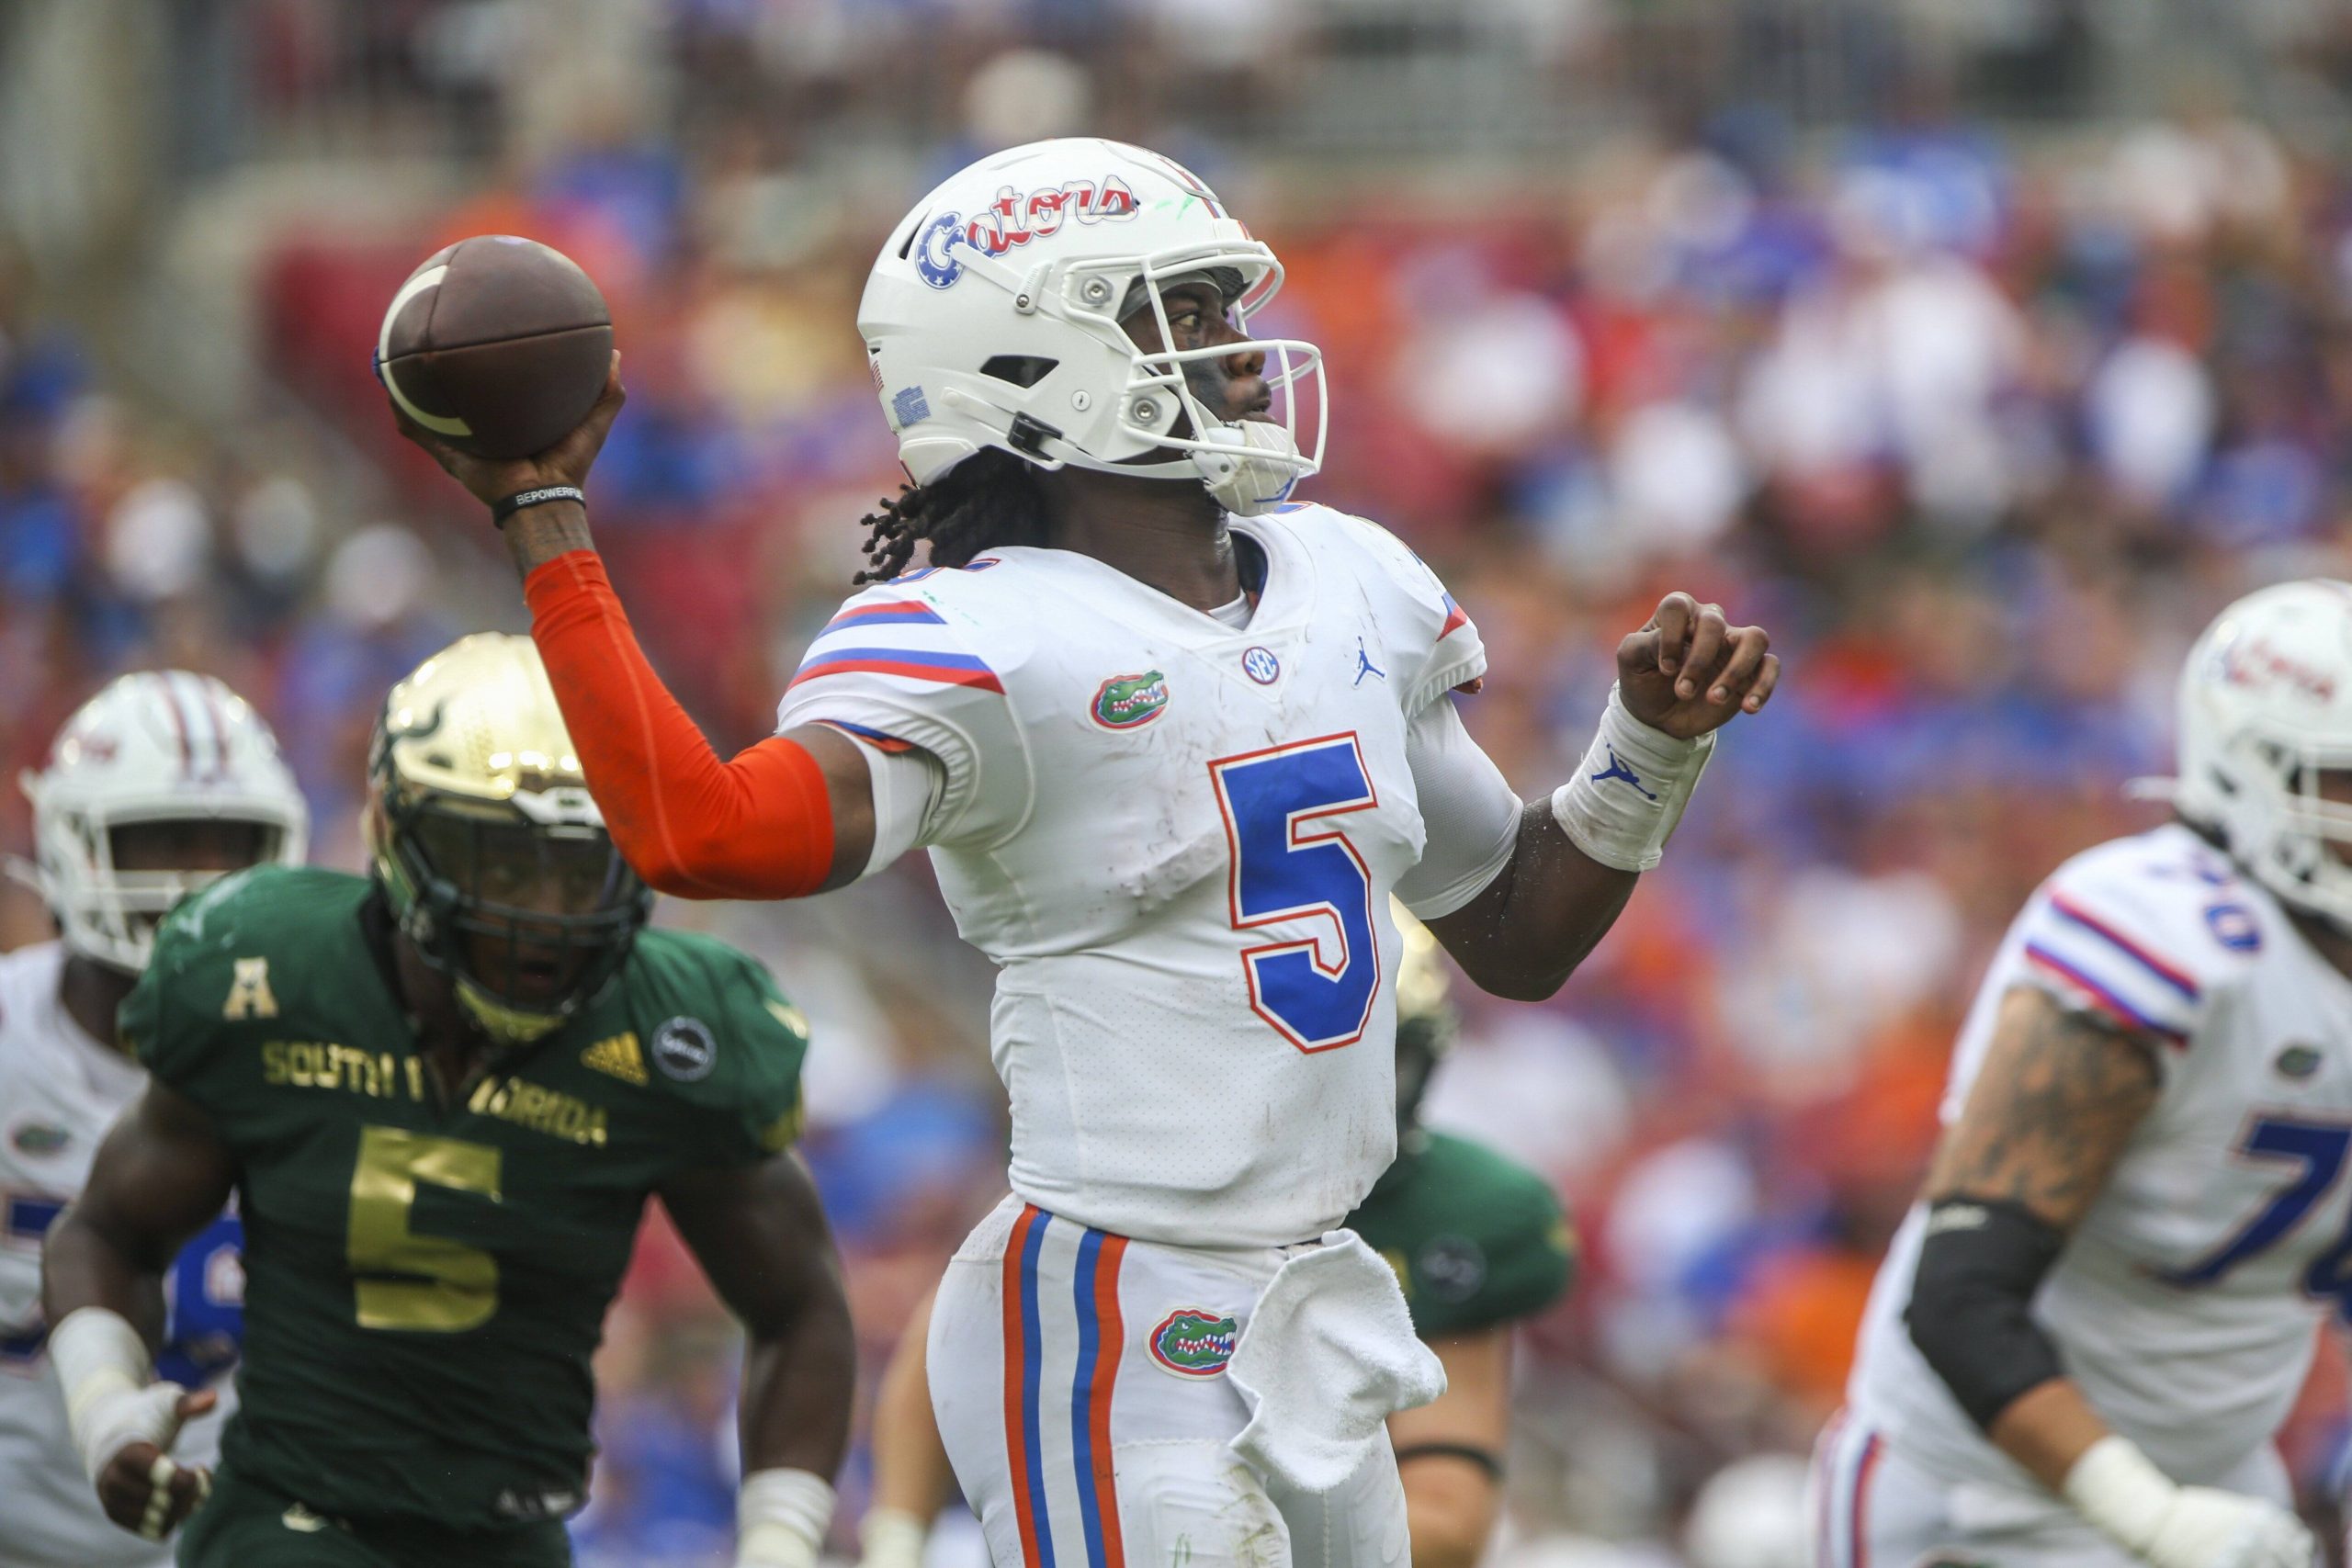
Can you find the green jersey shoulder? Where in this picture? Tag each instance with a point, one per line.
(1477, 1240)
(270, 978)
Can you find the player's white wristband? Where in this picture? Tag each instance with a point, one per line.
(780, 1519)
(2117, 1488)
(1628, 793)
(893, 1539)
(102, 1365)
(2120, 1489)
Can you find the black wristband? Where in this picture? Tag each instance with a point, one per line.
(500, 511)
(1469, 1453)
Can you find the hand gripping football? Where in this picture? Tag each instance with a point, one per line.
(496, 345)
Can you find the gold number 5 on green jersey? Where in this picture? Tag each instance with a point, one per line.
(459, 1284)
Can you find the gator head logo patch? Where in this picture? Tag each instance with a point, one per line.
(1130, 702)
(1194, 1343)
(2298, 1062)
(39, 1139)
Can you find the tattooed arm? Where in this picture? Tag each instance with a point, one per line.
(2058, 1097)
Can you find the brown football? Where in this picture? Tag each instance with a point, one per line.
(498, 344)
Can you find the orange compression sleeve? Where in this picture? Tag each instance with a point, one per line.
(758, 827)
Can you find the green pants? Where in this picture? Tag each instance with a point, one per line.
(246, 1524)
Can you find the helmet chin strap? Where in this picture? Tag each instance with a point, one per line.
(505, 1024)
(1252, 469)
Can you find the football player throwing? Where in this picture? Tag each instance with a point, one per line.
(1171, 740)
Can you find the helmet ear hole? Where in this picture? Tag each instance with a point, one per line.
(1021, 369)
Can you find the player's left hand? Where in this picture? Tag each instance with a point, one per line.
(1689, 671)
(146, 1490)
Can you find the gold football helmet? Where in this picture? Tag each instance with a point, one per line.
(493, 853)
(1426, 1021)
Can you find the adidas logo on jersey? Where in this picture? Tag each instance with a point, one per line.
(617, 1056)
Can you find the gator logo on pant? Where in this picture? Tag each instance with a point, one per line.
(1128, 702)
(1194, 1343)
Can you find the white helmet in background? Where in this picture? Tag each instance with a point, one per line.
(2266, 705)
(157, 746)
(991, 319)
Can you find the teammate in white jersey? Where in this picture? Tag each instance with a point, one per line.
(2090, 1328)
(1171, 744)
(161, 781)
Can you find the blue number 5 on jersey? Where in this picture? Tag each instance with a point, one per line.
(1282, 871)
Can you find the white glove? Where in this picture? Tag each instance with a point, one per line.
(102, 1365)
(2117, 1488)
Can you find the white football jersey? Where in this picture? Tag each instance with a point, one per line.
(1177, 841)
(59, 1089)
(2186, 1304)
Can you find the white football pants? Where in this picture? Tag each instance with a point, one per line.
(1875, 1507)
(1078, 1378)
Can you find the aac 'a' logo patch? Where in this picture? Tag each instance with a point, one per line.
(1130, 702)
(1194, 1343)
(249, 992)
(685, 1050)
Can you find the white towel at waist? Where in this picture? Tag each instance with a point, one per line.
(1328, 1354)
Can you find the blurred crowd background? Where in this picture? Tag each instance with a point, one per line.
(1979, 350)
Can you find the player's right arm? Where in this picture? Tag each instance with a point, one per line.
(759, 1233)
(2060, 1093)
(161, 1175)
(791, 815)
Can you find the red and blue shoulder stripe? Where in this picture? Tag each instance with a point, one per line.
(886, 613)
(908, 663)
(2171, 974)
(2104, 997)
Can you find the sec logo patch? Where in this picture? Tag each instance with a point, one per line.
(1261, 665)
(685, 1050)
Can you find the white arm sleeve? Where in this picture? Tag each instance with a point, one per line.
(908, 787)
(1469, 811)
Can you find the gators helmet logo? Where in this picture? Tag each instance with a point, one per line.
(1194, 1343)
(1130, 702)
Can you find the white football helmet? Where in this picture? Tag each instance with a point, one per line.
(2266, 705)
(157, 746)
(991, 319)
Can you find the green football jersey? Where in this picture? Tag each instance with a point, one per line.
(425, 1283)
(1475, 1239)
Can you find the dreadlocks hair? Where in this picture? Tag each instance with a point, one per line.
(989, 499)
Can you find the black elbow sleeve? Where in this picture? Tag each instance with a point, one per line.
(1971, 1311)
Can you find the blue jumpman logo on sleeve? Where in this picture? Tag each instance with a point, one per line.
(1364, 666)
(1618, 769)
